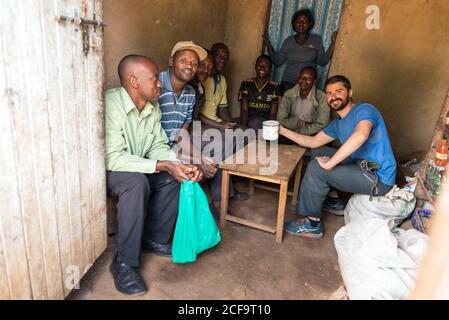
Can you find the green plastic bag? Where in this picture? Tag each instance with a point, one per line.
(195, 230)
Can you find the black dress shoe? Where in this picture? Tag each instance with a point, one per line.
(126, 278)
(157, 248)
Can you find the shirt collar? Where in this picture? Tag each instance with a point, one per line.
(312, 91)
(310, 95)
(129, 105)
(217, 81)
(165, 79)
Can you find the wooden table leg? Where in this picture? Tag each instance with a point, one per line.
(251, 187)
(281, 211)
(224, 197)
(297, 183)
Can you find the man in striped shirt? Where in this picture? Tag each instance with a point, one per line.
(177, 99)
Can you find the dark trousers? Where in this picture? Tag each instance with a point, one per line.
(346, 177)
(215, 181)
(147, 209)
(256, 122)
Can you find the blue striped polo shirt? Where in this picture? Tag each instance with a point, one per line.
(175, 110)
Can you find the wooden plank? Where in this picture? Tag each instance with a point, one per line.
(52, 150)
(289, 155)
(96, 141)
(14, 276)
(15, 281)
(271, 189)
(251, 187)
(254, 176)
(281, 211)
(6, 156)
(83, 97)
(5, 290)
(224, 198)
(20, 79)
(72, 90)
(37, 92)
(82, 142)
(251, 224)
(54, 77)
(297, 182)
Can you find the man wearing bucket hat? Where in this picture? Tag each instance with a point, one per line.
(177, 100)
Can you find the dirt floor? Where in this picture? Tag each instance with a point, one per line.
(247, 264)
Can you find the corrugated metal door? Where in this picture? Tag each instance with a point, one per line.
(52, 183)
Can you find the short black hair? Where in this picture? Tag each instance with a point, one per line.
(311, 69)
(125, 61)
(265, 56)
(217, 46)
(339, 78)
(303, 12)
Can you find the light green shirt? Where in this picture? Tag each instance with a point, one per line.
(135, 140)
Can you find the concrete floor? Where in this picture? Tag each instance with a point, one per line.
(247, 264)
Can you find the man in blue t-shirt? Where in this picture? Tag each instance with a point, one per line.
(364, 163)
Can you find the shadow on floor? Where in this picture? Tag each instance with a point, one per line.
(247, 264)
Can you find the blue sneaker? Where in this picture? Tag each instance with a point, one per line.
(303, 227)
(334, 205)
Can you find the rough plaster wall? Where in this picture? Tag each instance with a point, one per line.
(243, 35)
(152, 27)
(402, 68)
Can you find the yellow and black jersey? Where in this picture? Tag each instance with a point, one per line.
(259, 99)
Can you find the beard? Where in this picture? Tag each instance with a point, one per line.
(341, 106)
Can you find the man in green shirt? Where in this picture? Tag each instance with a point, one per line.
(142, 171)
(304, 108)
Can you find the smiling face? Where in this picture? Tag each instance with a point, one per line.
(221, 58)
(302, 24)
(307, 80)
(338, 96)
(263, 68)
(205, 69)
(184, 65)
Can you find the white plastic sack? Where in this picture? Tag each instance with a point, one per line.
(371, 263)
(397, 203)
(413, 242)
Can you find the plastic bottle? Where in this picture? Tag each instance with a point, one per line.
(441, 154)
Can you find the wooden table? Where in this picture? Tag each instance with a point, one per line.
(289, 161)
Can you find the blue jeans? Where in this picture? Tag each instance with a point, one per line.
(346, 177)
